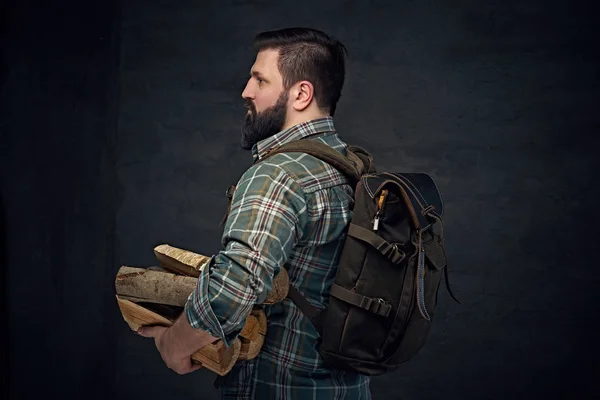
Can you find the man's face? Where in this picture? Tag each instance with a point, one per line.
(266, 100)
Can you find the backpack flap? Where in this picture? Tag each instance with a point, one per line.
(418, 190)
(425, 198)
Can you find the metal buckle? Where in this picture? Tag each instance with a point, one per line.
(376, 304)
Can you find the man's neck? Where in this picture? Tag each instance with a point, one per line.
(300, 118)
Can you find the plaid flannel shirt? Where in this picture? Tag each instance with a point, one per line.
(290, 211)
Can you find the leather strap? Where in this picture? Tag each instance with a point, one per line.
(352, 165)
(307, 309)
(389, 250)
(420, 278)
(439, 219)
(313, 313)
(374, 305)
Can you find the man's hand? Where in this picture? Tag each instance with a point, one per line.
(177, 343)
(177, 361)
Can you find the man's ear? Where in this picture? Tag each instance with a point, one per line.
(303, 94)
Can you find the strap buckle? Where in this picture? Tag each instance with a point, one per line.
(393, 252)
(376, 305)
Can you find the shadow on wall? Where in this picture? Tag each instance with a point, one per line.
(5, 362)
(4, 355)
(4, 24)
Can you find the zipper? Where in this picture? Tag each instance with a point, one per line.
(380, 204)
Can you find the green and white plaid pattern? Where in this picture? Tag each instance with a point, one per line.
(290, 211)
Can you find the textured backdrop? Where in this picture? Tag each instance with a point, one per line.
(120, 131)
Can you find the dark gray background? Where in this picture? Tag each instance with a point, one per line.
(120, 130)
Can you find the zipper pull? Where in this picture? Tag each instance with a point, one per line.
(380, 202)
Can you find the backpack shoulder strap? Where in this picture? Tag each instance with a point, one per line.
(350, 165)
(356, 163)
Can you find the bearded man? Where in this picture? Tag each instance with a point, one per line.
(290, 211)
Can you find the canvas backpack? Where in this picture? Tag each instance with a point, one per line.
(383, 299)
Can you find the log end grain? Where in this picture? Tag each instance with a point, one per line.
(231, 356)
(279, 291)
(251, 328)
(251, 348)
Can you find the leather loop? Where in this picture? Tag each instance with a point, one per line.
(229, 192)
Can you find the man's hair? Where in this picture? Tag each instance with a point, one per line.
(308, 54)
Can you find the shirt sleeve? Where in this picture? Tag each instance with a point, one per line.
(267, 212)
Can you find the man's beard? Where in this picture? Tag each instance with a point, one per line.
(259, 126)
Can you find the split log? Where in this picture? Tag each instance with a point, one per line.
(145, 285)
(216, 356)
(155, 297)
(252, 343)
(251, 328)
(161, 287)
(279, 291)
(188, 263)
(181, 261)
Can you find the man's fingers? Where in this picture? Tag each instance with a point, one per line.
(196, 367)
(186, 367)
(144, 331)
(149, 331)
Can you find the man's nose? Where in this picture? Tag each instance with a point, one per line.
(247, 93)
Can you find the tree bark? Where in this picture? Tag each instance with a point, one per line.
(144, 285)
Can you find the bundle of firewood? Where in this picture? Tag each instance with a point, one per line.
(157, 295)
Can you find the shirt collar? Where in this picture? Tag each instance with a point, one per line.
(296, 132)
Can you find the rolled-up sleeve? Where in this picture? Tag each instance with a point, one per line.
(265, 222)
